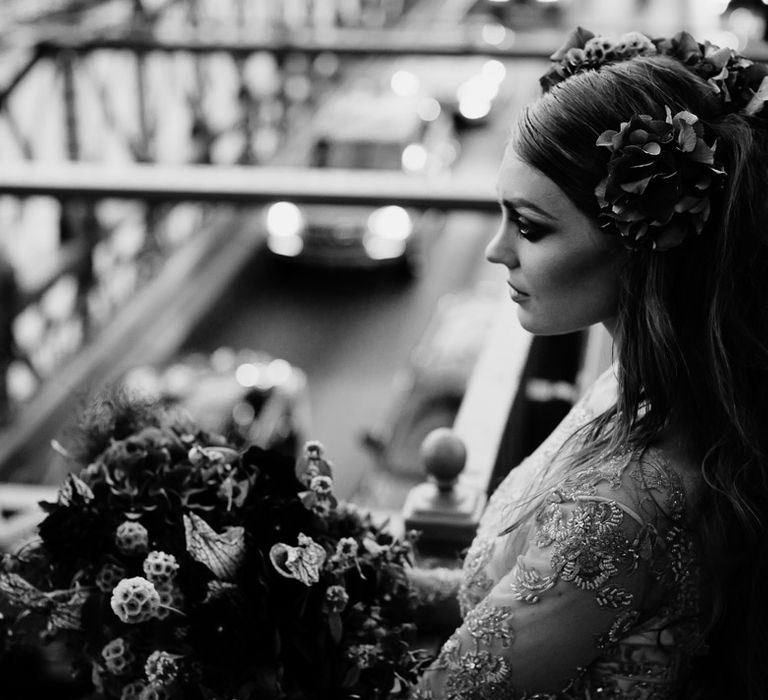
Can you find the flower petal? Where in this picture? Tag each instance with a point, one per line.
(222, 552)
(576, 39)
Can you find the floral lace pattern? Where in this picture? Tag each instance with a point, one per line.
(477, 583)
(608, 538)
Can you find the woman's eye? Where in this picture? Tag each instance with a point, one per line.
(526, 229)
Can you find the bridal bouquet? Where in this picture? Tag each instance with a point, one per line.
(175, 566)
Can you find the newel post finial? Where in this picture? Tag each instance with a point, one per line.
(446, 511)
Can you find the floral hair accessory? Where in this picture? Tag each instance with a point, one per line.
(740, 84)
(584, 51)
(661, 176)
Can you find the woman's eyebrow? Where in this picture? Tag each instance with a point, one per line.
(518, 203)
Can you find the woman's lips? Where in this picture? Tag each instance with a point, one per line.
(517, 295)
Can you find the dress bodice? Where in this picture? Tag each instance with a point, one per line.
(594, 592)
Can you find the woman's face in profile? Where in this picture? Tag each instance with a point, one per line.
(563, 272)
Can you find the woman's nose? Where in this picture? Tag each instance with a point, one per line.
(501, 250)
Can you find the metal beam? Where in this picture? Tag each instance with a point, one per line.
(460, 41)
(19, 76)
(344, 42)
(245, 185)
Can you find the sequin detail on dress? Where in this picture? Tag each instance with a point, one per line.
(611, 536)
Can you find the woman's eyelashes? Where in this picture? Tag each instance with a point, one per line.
(525, 228)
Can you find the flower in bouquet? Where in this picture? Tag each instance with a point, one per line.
(175, 566)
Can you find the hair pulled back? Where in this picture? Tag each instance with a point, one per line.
(691, 334)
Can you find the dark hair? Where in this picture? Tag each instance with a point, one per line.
(691, 334)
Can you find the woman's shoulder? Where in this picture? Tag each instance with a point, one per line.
(655, 484)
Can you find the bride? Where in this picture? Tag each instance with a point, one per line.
(626, 558)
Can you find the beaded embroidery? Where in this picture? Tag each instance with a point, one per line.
(477, 583)
(528, 583)
(591, 538)
(486, 623)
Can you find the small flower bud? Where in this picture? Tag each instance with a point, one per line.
(160, 567)
(117, 656)
(321, 485)
(347, 548)
(133, 690)
(132, 537)
(337, 598)
(109, 576)
(135, 600)
(162, 668)
(156, 692)
(171, 599)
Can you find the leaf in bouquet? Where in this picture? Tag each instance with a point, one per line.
(67, 615)
(20, 593)
(219, 589)
(302, 563)
(335, 626)
(212, 455)
(222, 552)
(74, 490)
(351, 677)
(207, 693)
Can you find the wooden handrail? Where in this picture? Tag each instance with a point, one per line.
(492, 388)
(344, 42)
(450, 41)
(244, 185)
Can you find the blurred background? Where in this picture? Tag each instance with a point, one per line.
(273, 213)
(141, 142)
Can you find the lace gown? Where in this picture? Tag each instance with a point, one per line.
(594, 596)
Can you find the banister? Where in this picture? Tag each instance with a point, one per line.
(449, 516)
(244, 185)
(344, 42)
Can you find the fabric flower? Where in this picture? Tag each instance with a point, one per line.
(135, 600)
(735, 80)
(600, 49)
(583, 51)
(302, 563)
(634, 43)
(661, 176)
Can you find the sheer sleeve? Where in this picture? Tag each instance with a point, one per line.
(434, 585)
(582, 581)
